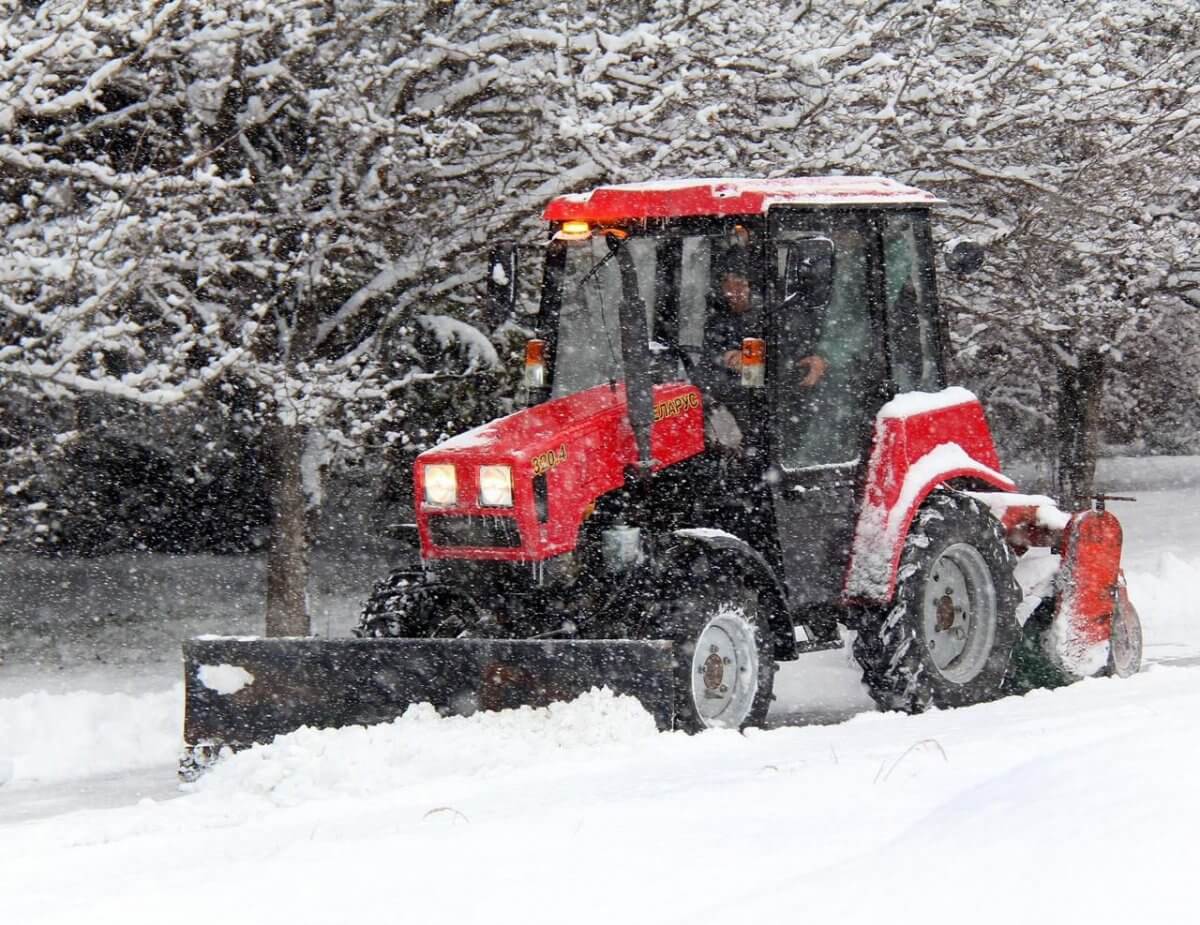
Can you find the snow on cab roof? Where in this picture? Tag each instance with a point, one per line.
(729, 196)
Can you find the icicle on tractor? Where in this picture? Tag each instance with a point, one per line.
(736, 437)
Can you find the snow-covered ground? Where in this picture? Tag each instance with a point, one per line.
(1078, 802)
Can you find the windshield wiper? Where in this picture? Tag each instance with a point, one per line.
(614, 244)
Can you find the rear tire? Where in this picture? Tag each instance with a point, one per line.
(724, 649)
(947, 639)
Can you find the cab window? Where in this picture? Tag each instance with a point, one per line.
(821, 423)
(909, 303)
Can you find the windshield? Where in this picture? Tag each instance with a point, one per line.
(679, 280)
(589, 334)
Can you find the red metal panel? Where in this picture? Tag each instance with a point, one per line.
(734, 196)
(581, 443)
(901, 441)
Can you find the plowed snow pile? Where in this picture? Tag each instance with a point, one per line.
(421, 745)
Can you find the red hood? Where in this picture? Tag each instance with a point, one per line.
(519, 436)
(582, 444)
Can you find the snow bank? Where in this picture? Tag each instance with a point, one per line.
(1116, 474)
(1165, 597)
(49, 737)
(1145, 473)
(423, 746)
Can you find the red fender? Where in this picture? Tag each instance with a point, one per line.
(920, 442)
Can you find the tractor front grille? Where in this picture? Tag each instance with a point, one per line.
(456, 531)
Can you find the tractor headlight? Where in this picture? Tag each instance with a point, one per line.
(495, 486)
(441, 484)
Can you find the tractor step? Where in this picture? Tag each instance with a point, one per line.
(245, 691)
(818, 635)
(819, 645)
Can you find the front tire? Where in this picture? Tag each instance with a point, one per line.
(724, 650)
(405, 606)
(947, 639)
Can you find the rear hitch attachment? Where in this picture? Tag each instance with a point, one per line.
(1099, 501)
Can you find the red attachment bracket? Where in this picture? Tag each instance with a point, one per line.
(1023, 529)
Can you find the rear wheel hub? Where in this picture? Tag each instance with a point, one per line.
(959, 612)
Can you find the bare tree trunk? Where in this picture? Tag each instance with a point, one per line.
(1080, 389)
(291, 531)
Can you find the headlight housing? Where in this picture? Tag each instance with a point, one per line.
(495, 486)
(441, 484)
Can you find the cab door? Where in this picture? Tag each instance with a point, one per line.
(821, 428)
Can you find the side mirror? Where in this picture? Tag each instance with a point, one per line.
(501, 282)
(807, 273)
(963, 257)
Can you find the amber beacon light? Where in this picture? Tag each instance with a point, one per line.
(575, 231)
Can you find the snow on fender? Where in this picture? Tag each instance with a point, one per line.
(909, 458)
(224, 679)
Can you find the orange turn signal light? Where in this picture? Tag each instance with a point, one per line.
(754, 362)
(535, 364)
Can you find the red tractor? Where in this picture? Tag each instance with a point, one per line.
(737, 438)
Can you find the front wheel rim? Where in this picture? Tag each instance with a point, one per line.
(725, 671)
(959, 613)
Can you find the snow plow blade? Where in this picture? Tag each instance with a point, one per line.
(245, 691)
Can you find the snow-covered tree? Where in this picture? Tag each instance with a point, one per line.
(288, 193)
(1064, 135)
(294, 195)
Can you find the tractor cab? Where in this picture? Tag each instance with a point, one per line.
(796, 307)
(846, 278)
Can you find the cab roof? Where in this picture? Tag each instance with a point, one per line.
(729, 196)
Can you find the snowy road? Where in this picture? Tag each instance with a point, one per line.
(43, 799)
(1079, 802)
